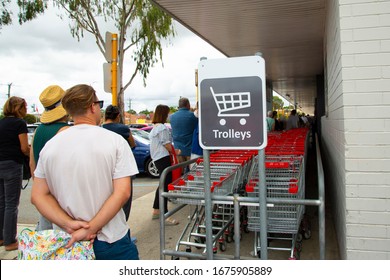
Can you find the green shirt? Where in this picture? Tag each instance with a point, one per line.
(44, 133)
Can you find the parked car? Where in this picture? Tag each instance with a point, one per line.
(140, 125)
(30, 132)
(147, 128)
(150, 127)
(142, 153)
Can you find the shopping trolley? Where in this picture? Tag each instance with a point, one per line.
(227, 171)
(227, 103)
(284, 180)
(194, 233)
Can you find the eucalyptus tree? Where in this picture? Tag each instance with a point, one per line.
(141, 27)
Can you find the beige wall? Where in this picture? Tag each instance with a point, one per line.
(356, 130)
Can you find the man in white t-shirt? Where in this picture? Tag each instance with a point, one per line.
(83, 179)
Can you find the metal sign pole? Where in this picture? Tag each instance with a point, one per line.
(114, 82)
(263, 206)
(208, 206)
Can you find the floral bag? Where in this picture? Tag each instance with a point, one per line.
(50, 245)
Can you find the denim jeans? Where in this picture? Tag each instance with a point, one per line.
(11, 177)
(123, 249)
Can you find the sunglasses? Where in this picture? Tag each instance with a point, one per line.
(100, 102)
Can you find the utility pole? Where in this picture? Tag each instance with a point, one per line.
(9, 90)
(130, 105)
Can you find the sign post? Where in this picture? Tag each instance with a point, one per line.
(232, 107)
(110, 69)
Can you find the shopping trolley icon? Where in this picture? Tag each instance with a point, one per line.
(229, 102)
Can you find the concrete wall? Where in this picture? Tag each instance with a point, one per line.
(356, 131)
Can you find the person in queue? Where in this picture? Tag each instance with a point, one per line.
(112, 123)
(13, 148)
(160, 150)
(183, 123)
(53, 120)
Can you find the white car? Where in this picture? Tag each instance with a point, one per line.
(31, 129)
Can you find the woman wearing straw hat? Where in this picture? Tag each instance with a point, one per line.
(13, 147)
(53, 119)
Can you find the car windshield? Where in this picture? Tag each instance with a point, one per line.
(141, 136)
(31, 129)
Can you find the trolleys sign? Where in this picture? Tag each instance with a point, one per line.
(232, 103)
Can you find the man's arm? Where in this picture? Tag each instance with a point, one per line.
(48, 206)
(110, 208)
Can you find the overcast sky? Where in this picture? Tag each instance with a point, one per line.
(43, 52)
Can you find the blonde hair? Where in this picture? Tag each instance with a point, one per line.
(78, 99)
(14, 107)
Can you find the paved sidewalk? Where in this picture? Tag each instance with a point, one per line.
(147, 232)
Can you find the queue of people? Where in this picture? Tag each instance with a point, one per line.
(294, 120)
(82, 174)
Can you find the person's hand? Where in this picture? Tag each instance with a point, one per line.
(75, 225)
(81, 234)
(177, 151)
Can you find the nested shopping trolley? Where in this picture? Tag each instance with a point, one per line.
(226, 173)
(284, 180)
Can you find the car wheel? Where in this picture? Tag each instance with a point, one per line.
(151, 169)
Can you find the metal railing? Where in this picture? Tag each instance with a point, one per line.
(237, 201)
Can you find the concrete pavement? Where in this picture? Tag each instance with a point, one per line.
(147, 232)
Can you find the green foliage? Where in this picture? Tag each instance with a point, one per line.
(133, 112)
(28, 10)
(172, 109)
(145, 112)
(5, 14)
(277, 103)
(141, 28)
(30, 118)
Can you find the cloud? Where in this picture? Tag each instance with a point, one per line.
(43, 52)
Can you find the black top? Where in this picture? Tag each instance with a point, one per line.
(10, 128)
(119, 128)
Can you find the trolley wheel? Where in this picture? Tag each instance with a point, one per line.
(222, 247)
(198, 240)
(296, 254)
(229, 238)
(307, 234)
(188, 250)
(175, 258)
(298, 246)
(299, 237)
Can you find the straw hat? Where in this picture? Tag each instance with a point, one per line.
(51, 100)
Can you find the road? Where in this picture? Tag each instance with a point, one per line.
(29, 215)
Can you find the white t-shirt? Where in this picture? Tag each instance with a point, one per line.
(159, 136)
(79, 165)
